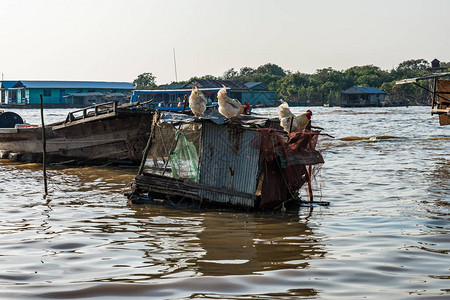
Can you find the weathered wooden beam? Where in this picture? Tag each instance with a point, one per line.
(438, 111)
(88, 119)
(184, 185)
(221, 190)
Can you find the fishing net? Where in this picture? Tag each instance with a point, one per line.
(285, 165)
(184, 159)
(175, 151)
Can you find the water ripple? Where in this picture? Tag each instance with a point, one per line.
(385, 233)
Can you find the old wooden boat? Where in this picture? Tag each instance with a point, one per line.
(244, 163)
(93, 135)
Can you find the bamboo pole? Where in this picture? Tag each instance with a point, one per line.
(434, 93)
(44, 148)
(156, 117)
(310, 191)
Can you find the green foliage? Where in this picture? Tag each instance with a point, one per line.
(325, 85)
(271, 69)
(230, 74)
(145, 81)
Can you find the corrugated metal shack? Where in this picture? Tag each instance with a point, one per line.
(229, 160)
(213, 162)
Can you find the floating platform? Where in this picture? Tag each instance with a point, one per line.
(245, 163)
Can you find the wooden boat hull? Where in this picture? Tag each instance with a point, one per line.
(119, 136)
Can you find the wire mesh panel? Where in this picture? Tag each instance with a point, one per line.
(229, 160)
(175, 151)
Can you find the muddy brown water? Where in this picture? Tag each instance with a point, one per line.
(386, 233)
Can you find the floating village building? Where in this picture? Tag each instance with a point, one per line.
(254, 93)
(62, 92)
(82, 93)
(362, 96)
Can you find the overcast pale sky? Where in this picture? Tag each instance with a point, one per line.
(116, 40)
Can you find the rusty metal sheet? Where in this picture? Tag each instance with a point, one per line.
(229, 159)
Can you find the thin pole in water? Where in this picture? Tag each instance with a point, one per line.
(44, 148)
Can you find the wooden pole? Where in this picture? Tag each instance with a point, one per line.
(310, 191)
(185, 102)
(434, 93)
(156, 117)
(44, 148)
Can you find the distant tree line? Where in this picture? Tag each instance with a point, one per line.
(326, 84)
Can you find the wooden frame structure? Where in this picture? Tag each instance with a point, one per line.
(440, 93)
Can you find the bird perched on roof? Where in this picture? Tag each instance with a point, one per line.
(230, 107)
(197, 102)
(291, 122)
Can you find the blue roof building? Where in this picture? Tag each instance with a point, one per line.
(5, 88)
(362, 96)
(255, 93)
(54, 92)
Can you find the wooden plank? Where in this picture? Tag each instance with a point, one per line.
(166, 186)
(221, 190)
(172, 184)
(440, 111)
(413, 80)
(305, 157)
(90, 119)
(111, 104)
(148, 187)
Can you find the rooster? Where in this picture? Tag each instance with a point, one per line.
(230, 107)
(197, 102)
(287, 118)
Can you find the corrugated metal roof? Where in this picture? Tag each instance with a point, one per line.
(229, 160)
(252, 84)
(172, 86)
(363, 90)
(73, 85)
(176, 91)
(206, 83)
(83, 94)
(7, 84)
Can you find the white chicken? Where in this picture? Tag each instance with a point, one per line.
(230, 107)
(291, 122)
(197, 102)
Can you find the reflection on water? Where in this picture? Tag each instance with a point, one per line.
(242, 244)
(386, 231)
